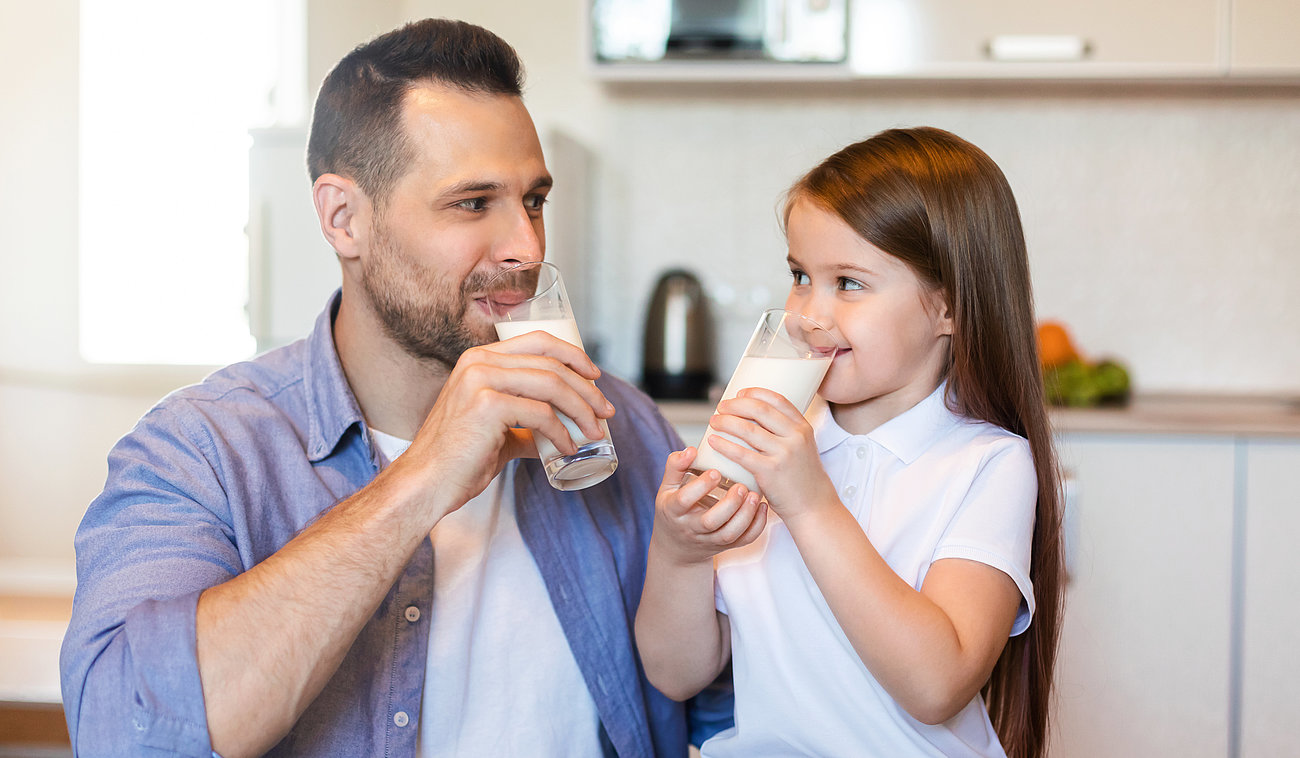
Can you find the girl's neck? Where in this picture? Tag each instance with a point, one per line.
(865, 416)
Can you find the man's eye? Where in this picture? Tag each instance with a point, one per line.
(535, 202)
(473, 203)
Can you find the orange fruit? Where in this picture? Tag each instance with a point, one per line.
(1054, 344)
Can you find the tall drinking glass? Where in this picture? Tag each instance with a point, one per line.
(530, 297)
(788, 354)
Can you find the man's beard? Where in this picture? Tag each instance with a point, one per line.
(419, 309)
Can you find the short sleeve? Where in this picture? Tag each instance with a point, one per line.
(994, 524)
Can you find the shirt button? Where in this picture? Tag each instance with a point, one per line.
(412, 614)
(862, 452)
(850, 491)
(401, 719)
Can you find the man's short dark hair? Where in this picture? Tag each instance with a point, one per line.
(356, 130)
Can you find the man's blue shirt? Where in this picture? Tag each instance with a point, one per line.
(220, 475)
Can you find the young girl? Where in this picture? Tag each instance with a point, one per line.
(883, 606)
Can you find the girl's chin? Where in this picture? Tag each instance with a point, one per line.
(838, 392)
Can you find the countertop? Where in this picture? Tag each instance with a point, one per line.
(1235, 415)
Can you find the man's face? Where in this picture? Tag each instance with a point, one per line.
(470, 204)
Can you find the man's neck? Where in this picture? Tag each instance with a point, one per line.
(394, 389)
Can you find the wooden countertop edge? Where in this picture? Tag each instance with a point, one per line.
(1233, 415)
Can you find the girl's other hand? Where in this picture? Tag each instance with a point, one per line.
(687, 531)
(784, 458)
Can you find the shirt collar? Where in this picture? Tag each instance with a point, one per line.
(906, 436)
(332, 408)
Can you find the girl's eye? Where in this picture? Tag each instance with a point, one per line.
(850, 285)
(798, 276)
(473, 203)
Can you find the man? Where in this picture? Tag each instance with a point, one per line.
(273, 567)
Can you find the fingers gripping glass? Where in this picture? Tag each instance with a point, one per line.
(788, 354)
(531, 297)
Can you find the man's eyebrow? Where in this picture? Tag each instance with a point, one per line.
(470, 186)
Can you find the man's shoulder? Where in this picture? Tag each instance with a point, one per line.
(268, 385)
(266, 375)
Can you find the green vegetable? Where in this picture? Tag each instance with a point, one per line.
(1082, 385)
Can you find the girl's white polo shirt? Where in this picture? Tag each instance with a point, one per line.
(925, 486)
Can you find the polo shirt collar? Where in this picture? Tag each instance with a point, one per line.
(906, 436)
(331, 407)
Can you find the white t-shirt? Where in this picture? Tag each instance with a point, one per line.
(925, 485)
(501, 679)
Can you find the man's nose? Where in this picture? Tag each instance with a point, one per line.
(523, 240)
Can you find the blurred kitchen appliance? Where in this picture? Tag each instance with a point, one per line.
(678, 359)
(771, 30)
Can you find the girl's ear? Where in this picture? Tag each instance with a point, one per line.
(940, 312)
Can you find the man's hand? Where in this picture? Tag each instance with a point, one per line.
(494, 393)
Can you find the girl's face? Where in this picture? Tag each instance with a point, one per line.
(893, 331)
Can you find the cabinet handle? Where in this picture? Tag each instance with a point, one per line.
(1037, 48)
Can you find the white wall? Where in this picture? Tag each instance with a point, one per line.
(1163, 223)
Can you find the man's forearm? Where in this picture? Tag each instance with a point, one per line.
(269, 639)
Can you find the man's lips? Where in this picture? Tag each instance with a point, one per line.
(498, 301)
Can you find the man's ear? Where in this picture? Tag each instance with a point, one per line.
(343, 211)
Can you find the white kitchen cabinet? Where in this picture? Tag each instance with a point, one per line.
(1144, 666)
(1265, 38)
(1044, 38)
(1270, 688)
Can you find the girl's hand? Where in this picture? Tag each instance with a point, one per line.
(687, 531)
(784, 457)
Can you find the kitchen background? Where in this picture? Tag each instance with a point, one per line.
(1163, 222)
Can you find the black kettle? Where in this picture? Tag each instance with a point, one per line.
(678, 358)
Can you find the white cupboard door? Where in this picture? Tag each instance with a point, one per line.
(1270, 691)
(1144, 661)
(1028, 38)
(1265, 38)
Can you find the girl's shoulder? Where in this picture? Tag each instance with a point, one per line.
(987, 440)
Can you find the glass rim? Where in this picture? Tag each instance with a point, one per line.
(494, 282)
(769, 311)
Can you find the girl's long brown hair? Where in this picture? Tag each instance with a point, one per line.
(942, 206)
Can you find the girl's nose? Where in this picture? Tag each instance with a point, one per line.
(809, 308)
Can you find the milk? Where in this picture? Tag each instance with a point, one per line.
(567, 330)
(796, 379)
(564, 328)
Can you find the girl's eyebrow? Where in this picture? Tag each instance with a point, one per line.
(840, 267)
(857, 268)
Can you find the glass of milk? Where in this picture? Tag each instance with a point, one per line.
(530, 297)
(788, 354)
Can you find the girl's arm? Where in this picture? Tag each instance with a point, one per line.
(931, 650)
(683, 641)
